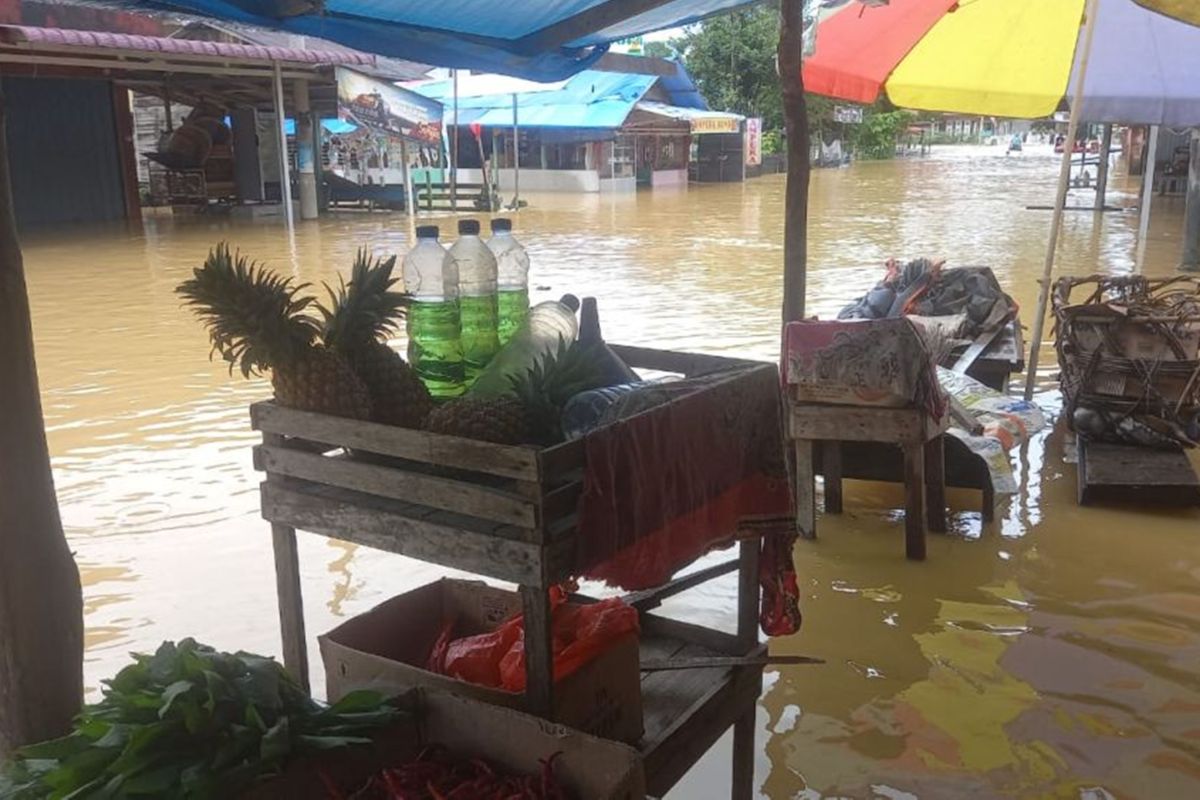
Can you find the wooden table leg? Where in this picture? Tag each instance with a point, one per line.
(914, 501)
(935, 483)
(988, 510)
(291, 604)
(749, 592)
(539, 657)
(831, 461)
(806, 497)
(743, 755)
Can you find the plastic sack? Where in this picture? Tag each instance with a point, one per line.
(496, 659)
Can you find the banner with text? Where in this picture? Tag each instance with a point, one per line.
(388, 109)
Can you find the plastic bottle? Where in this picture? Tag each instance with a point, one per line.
(548, 324)
(612, 370)
(583, 412)
(434, 348)
(476, 267)
(512, 280)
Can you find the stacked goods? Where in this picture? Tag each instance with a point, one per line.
(191, 722)
(333, 362)
(1130, 358)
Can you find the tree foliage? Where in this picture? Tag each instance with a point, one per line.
(732, 59)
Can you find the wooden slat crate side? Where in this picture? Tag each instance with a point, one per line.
(506, 461)
(672, 361)
(428, 539)
(399, 484)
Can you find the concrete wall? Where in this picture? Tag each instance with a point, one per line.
(539, 180)
(618, 185)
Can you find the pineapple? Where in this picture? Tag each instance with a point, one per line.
(531, 412)
(257, 322)
(364, 312)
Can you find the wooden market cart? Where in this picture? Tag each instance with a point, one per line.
(509, 513)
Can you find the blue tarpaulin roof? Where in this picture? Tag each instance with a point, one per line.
(538, 39)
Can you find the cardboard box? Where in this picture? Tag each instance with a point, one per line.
(385, 649)
(587, 767)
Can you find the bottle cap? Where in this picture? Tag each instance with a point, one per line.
(427, 231)
(468, 227)
(501, 224)
(570, 301)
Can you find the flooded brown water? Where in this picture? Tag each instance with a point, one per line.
(1054, 654)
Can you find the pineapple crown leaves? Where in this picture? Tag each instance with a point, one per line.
(365, 309)
(255, 318)
(554, 379)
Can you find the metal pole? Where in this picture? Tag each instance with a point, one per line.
(454, 148)
(1102, 168)
(409, 200)
(1064, 175)
(1191, 230)
(1147, 196)
(285, 168)
(516, 158)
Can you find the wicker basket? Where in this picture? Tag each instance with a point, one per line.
(1130, 345)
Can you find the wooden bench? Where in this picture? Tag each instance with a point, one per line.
(920, 438)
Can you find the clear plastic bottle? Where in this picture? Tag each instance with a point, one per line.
(476, 268)
(548, 324)
(434, 347)
(512, 280)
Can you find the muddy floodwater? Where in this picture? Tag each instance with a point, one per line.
(1055, 653)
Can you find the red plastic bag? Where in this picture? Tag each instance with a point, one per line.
(497, 659)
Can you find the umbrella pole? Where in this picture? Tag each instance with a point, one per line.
(1060, 202)
(1148, 173)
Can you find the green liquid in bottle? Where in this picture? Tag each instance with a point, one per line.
(512, 309)
(479, 340)
(434, 348)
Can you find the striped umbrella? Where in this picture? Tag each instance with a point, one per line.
(1117, 61)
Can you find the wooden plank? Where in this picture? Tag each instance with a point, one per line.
(935, 484)
(982, 342)
(291, 604)
(726, 696)
(914, 501)
(560, 504)
(451, 451)
(710, 639)
(805, 489)
(562, 462)
(748, 593)
(539, 654)
(856, 424)
(648, 599)
(399, 484)
(1125, 472)
(831, 460)
(440, 540)
(682, 363)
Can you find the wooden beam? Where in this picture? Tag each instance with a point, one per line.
(41, 602)
(795, 115)
(596, 18)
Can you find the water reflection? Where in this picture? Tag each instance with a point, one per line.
(1051, 654)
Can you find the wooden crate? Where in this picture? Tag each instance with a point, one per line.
(505, 511)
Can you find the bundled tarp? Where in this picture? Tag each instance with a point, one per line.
(925, 288)
(1129, 351)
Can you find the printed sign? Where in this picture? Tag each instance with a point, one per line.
(388, 109)
(850, 114)
(753, 141)
(714, 125)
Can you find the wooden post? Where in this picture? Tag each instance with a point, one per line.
(291, 602)
(935, 483)
(743, 749)
(539, 657)
(831, 461)
(1147, 197)
(1102, 167)
(805, 491)
(1064, 175)
(1191, 233)
(285, 167)
(41, 602)
(795, 114)
(914, 501)
(454, 148)
(748, 593)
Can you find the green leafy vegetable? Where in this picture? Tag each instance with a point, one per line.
(189, 722)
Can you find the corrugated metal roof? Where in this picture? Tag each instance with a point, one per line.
(62, 37)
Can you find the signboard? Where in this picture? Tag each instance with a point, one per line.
(850, 114)
(753, 141)
(714, 125)
(388, 109)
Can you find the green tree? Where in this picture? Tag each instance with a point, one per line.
(658, 49)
